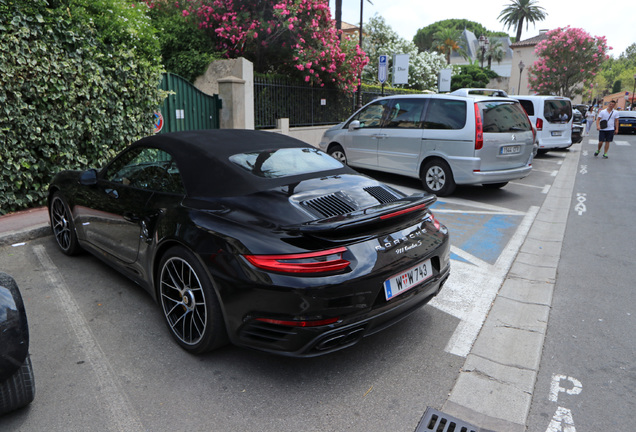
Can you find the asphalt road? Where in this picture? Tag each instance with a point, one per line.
(104, 361)
(587, 375)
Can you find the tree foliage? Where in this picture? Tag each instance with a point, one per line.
(72, 93)
(568, 59)
(519, 11)
(381, 39)
(472, 76)
(296, 38)
(424, 37)
(186, 49)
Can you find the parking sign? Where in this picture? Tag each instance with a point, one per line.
(383, 68)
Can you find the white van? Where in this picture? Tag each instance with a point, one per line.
(552, 117)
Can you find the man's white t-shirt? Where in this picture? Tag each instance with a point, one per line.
(610, 117)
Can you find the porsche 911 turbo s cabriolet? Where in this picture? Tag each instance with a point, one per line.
(255, 238)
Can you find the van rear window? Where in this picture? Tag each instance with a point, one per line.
(445, 114)
(557, 111)
(503, 116)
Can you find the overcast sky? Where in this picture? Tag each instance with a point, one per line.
(407, 16)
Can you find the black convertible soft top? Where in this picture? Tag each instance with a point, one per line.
(203, 160)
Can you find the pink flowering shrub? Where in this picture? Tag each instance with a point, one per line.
(291, 37)
(569, 59)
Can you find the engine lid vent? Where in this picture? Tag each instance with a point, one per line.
(382, 194)
(330, 205)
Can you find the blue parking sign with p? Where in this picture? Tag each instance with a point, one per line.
(383, 68)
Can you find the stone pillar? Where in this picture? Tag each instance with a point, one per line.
(236, 76)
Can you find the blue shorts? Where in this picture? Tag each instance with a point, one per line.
(606, 136)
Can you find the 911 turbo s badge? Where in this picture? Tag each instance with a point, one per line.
(391, 242)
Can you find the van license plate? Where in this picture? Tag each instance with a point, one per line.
(404, 281)
(557, 133)
(510, 150)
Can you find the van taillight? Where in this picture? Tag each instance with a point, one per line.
(539, 124)
(479, 129)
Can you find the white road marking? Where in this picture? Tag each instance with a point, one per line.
(562, 421)
(575, 387)
(580, 207)
(473, 286)
(121, 417)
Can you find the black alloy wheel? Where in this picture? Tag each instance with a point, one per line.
(337, 152)
(63, 226)
(437, 178)
(189, 302)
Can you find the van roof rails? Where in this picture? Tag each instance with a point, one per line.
(479, 91)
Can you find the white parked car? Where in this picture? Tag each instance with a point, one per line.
(552, 117)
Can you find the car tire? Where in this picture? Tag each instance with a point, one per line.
(63, 226)
(337, 152)
(437, 178)
(189, 302)
(495, 185)
(19, 389)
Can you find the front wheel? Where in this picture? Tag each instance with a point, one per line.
(189, 303)
(437, 178)
(63, 226)
(19, 389)
(337, 152)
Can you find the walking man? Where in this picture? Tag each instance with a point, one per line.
(607, 125)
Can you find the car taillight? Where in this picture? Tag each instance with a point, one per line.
(539, 124)
(433, 219)
(311, 262)
(479, 129)
(299, 323)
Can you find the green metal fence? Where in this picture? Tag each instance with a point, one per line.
(186, 108)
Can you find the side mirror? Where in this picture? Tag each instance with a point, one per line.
(88, 178)
(354, 125)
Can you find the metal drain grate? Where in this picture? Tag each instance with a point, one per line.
(437, 421)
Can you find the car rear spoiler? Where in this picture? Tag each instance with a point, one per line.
(410, 206)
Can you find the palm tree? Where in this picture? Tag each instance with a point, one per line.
(495, 52)
(518, 11)
(446, 41)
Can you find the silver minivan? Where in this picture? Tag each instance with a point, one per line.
(552, 116)
(444, 140)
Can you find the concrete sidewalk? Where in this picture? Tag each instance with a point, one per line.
(24, 225)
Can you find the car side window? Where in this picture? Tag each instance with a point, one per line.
(372, 115)
(146, 168)
(406, 114)
(528, 106)
(445, 114)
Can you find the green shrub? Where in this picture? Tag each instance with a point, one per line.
(68, 100)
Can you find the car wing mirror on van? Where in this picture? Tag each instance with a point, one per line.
(354, 125)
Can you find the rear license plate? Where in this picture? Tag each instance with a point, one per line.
(404, 281)
(627, 124)
(510, 149)
(557, 133)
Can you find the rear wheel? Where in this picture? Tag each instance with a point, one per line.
(495, 185)
(19, 389)
(189, 303)
(437, 178)
(337, 152)
(63, 226)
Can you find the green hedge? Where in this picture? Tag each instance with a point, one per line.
(67, 101)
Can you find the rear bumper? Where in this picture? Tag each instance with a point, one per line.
(467, 171)
(316, 341)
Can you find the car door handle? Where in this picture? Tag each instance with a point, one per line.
(379, 136)
(112, 193)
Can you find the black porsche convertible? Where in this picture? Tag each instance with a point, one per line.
(255, 238)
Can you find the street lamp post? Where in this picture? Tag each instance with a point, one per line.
(483, 46)
(521, 66)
